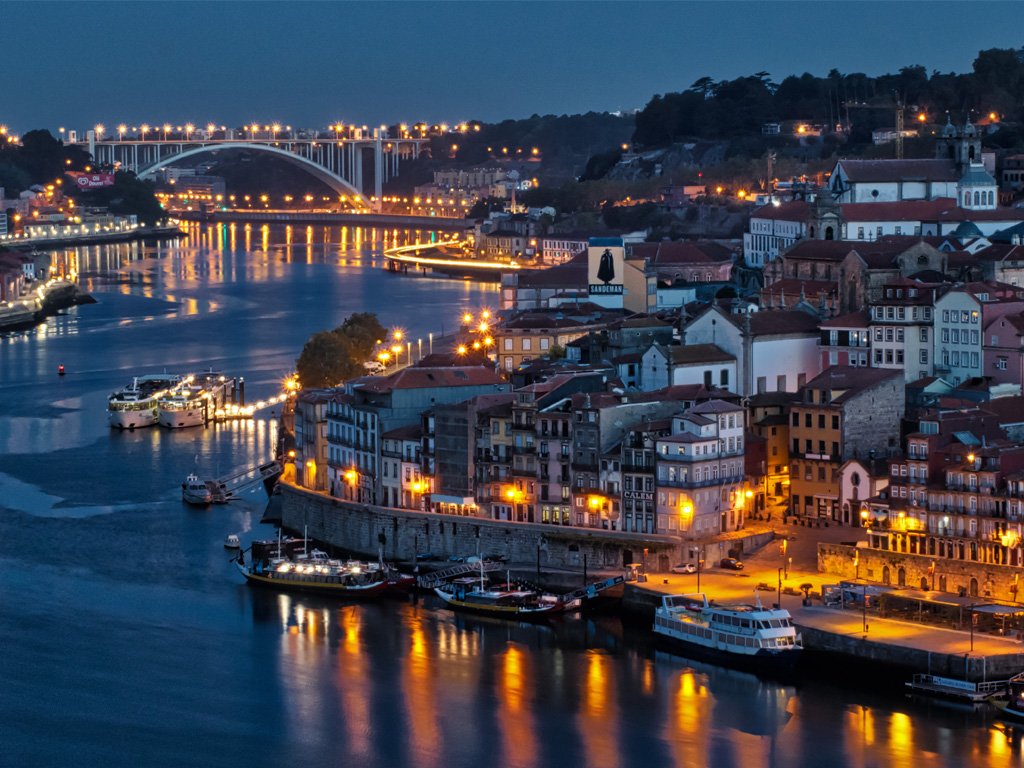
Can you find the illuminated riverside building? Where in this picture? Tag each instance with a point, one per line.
(952, 516)
(700, 472)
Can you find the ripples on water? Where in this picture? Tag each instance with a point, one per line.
(127, 639)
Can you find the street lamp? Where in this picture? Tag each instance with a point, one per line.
(778, 603)
(99, 131)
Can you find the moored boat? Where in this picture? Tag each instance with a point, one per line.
(195, 401)
(954, 689)
(317, 573)
(749, 637)
(231, 541)
(1011, 704)
(196, 491)
(504, 600)
(136, 405)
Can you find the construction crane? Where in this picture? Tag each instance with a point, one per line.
(896, 104)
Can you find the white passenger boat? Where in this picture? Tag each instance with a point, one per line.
(746, 636)
(136, 405)
(194, 402)
(196, 491)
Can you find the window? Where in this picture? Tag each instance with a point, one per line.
(795, 419)
(507, 344)
(878, 357)
(945, 335)
(1001, 363)
(808, 420)
(878, 333)
(723, 377)
(545, 343)
(899, 334)
(945, 315)
(821, 421)
(527, 345)
(860, 233)
(924, 356)
(835, 421)
(923, 334)
(889, 333)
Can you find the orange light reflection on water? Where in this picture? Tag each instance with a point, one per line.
(598, 721)
(515, 715)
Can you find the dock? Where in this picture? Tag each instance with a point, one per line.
(232, 486)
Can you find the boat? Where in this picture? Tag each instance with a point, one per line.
(601, 595)
(271, 566)
(505, 600)
(136, 404)
(1011, 703)
(193, 403)
(954, 689)
(231, 541)
(196, 491)
(749, 637)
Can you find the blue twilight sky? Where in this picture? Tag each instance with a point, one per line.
(309, 64)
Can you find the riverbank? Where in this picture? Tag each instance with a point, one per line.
(325, 217)
(836, 640)
(55, 297)
(95, 238)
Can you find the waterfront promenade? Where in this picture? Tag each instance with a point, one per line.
(396, 220)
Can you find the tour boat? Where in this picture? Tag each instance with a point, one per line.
(196, 491)
(1011, 705)
(504, 600)
(954, 689)
(136, 405)
(318, 574)
(746, 636)
(194, 402)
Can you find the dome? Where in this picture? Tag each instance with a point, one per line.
(967, 230)
(976, 176)
(969, 129)
(949, 132)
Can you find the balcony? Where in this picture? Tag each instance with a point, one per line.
(529, 471)
(523, 450)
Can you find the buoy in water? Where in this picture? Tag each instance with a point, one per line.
(60, 370)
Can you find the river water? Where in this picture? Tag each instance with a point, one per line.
(127, 639)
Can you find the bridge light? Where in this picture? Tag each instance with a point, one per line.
(99, 130)
(188, 129)
(121, 129)
(210, 128)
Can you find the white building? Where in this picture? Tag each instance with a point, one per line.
(670, 365)
(773, 228)
(775, 350)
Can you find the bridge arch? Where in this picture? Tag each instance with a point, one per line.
(331, 179)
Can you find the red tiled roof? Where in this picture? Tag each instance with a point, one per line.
(423, 378)
(858, 319)
(899, 170)
(667, 253)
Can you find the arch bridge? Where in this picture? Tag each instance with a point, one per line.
(343, 164)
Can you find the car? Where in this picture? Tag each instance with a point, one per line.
(731, 563)
(684, 568)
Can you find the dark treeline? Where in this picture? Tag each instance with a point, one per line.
(733, 108)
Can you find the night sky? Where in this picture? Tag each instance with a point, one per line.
(310, 64)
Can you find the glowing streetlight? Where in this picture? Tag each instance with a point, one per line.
(210, 128)
(467, 318)
(144, 129)
(121, 130)
(99, 131)
(189, 128)
(461, 349)
(167, 129)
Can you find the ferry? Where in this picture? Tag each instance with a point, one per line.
(136, 405)
(194, 402)
(750, 637)
(954, 689)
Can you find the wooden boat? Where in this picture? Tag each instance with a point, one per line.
(505, 600)
(318, 574)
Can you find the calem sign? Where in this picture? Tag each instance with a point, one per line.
(605, 264)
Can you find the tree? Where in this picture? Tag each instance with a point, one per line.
(331, 357)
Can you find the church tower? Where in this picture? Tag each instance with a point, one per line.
(962, 146)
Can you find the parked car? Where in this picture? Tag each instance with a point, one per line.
(731, 563)
(684, 568)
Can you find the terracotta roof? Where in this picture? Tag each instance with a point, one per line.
(778, 322)
(668, 253)
(694, 354)
(423, 378)
(851, 380)
(858, 319)
(861, 171)
(819, 250)
(715, 406)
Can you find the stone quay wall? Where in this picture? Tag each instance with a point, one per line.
(359, 528)
(997, 582)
